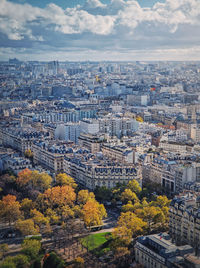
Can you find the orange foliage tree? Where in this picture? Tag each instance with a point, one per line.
(9, 209)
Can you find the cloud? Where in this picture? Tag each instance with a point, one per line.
(96, 26)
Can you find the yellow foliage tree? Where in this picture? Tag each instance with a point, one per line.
(93, 213)
(27, 227)
(134, 186)
(39, 218)
(64, 179)
(84, 196)
(128, 195)
(26, 206)
(129, 225)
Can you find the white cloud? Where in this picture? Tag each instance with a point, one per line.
(119, 24)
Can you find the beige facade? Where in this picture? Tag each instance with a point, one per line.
(14, 141)
(91, 175)
(47, 159)
(90, 142)
(120, 153)
(184, 223)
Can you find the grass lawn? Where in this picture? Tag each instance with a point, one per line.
(94, 241)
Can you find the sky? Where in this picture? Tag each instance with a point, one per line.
(96, 30)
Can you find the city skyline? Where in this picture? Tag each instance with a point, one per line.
(100, 30)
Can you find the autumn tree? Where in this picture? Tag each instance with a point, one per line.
(28, 153)
(9, 209)
(26, 206)
(134, 186)
(93, 213)
(128, 207)
(40, 181)
(52, 216)
(128, 195)
(59, 196)
(34, 179)
(128, 225)
(24, 177)
(84, 196)
(66, 212)
(78, 263)
(27, 227)
(63, 179)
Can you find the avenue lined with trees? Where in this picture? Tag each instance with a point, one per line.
(62, 213)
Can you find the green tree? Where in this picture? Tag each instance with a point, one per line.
(53, 261)
(3, 249)
(19, 261)
(103, 193)
(31, 248)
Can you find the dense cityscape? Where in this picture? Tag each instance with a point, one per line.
(99, 164)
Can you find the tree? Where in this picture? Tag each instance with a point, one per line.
(19, 261)
(59, 196)
(84, 196)
(93, 213)
(134, 186)
(161, 201)
(64, 179)
(150, 215)
(28, 153)
(66, 212)
(40, 181)
(38, 218)
(78, 262)
(31, 248)
(26, 206)
(27, 227)
(103, 193)
(3, 249)
(24, 177)
(128, 225)
(34, 179)
(128, 207)
(53, 261)
(128, 195)
(52, 216)
(9, 209)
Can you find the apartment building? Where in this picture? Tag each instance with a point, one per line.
(91, 171)
(160, 171)
(184, 219)
(91, 142)
(120, 153)
(158, 251)
(20, 139)
(50, 155)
